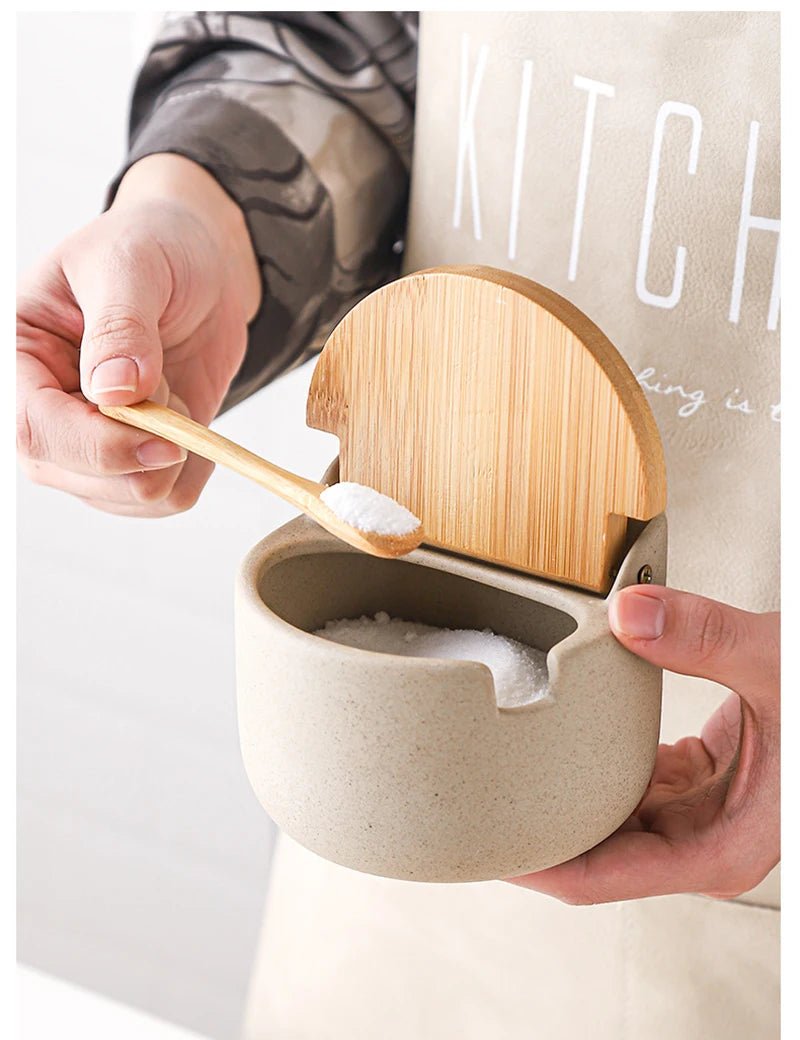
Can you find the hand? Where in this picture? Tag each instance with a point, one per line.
(150, 300)
(710, 820)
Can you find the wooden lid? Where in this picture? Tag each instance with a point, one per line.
(497, 412)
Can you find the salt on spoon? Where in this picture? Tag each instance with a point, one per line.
(368, 510)
(379, 525)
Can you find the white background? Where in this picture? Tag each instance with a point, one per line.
(143, 855)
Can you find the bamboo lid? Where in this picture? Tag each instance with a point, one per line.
(499, 414)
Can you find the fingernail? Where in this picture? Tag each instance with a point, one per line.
(116, 373)
(636, 615)
(157, 454)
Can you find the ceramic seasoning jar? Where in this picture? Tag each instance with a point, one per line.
(407, 767)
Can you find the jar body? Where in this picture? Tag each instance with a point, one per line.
(406, 767)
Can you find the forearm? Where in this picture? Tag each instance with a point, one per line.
(310, 133)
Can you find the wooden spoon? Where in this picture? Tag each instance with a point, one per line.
(302, 493)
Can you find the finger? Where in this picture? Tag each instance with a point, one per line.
(147, 489)
(144, 486)
(161, 393)
(628, 865)
(122, 292)
(64, 430)
(193, 478)
(156, 489)
(698, 636)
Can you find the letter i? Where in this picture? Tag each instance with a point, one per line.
(519, 155)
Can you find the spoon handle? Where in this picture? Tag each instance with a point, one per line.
(172, 426)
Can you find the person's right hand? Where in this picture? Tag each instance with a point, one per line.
(150, 300)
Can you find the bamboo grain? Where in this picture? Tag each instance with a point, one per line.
(499, 414)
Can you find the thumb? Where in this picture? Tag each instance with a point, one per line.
(122, 298)
(698, 636)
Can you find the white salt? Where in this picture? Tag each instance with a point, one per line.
(368, 510)
(519, 671)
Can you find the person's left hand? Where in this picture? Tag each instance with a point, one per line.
(709, 821)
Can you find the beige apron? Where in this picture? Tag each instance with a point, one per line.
(630, 162)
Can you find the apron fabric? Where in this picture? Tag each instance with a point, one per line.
(348, 955)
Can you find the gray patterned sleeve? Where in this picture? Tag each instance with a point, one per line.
(306, 120)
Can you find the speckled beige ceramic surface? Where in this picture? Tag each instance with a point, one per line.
(406, 767)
